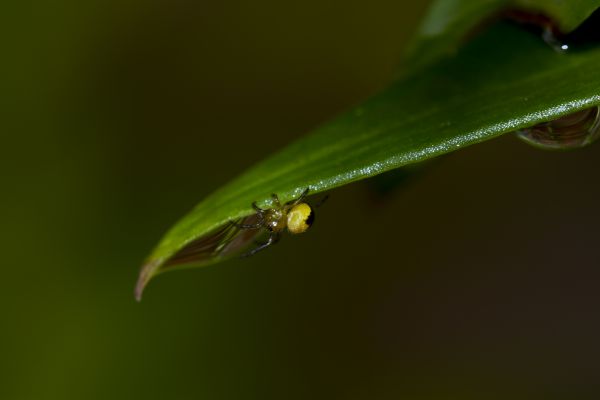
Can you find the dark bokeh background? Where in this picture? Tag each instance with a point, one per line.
(477, 279)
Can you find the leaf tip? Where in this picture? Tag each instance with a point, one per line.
(146, 273)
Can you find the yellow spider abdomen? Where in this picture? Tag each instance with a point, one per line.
(300, 218)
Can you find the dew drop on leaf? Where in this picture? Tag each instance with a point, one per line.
(586, 35)
(553, 41)
(569, 132)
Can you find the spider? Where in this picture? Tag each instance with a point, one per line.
(296, 215)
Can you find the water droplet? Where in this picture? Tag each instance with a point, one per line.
(539, 24)
(551, 38)
(584, 36)
(569, 132)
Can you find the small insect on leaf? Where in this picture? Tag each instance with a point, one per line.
(295, 216)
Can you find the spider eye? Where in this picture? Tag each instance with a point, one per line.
(300, 218)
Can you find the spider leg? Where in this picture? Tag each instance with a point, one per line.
(257, 225)
(299, 199)
(276, 201)
(323, 200)
(257, 208)
(261, 219)
(273, 238)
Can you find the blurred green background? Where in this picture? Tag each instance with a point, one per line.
(477, 279)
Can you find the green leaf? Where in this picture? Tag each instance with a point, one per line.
(450, 21)
(504, 80)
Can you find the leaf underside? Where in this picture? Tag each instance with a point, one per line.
(503, 80)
